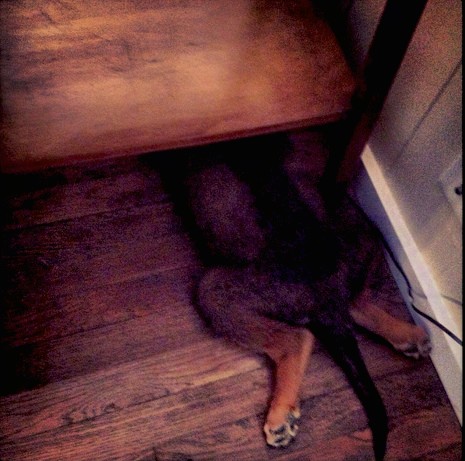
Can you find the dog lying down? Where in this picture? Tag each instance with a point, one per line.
(284, 269)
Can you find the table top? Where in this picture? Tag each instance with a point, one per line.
(94, 79)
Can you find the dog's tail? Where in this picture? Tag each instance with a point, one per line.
(340, 342)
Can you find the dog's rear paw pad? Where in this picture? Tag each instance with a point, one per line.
(283, 435)
(416, 350)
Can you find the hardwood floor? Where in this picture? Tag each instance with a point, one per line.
(105, 358)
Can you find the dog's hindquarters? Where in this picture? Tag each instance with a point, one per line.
(264, 311)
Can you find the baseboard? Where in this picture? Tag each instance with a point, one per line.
(375, 197)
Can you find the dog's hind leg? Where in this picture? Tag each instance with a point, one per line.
(238, 306)
(290, 349)
(405, 337)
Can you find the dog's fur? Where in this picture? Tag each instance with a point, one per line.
(285, 268)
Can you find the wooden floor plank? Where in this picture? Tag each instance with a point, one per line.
(42, 316)
(39, 363)
(97, 232)
(70, 257)
(451, 453)
(214, 359)
(18, 184)
(322, 377)
(348, 442)
(332, 423)
(120, 387)
(66, 201)
(119, 435)
(39, 278)
(416, 436)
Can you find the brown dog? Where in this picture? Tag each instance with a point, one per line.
(286, 269)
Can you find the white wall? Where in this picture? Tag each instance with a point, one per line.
(417, 138)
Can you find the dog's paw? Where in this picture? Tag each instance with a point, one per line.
(421, 347)
(281, 435)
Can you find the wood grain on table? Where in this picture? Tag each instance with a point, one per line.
(93, 79)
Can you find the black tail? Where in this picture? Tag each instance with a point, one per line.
(336, 336)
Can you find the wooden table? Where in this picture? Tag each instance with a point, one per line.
(94, 79)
